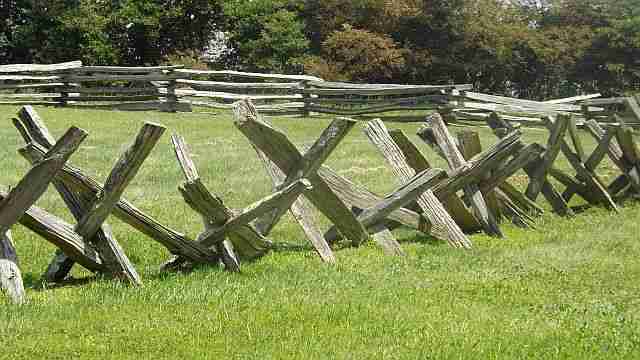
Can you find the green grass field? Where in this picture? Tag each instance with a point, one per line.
(567, 290)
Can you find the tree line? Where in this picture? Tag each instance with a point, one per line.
(528, 48)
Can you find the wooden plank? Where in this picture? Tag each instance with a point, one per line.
(471, 190)
(469, 146)
(128, 69)
(31, 86)
(32, 128)
(244, 75)
(286, 156)
(526, 156)
(527, 104)
(38, 68)
(174, 241)
(122, 173)
(573, 99)
(454, 205)
(616, 155)
(120, 77)
(403, 195)
(30, 78)
(554, 142)
(575, 139)
(345, 85)
(231, 86)
(589, 178)
(252, 243)
(370, 109)
(443, 226)
(301, 212)
(10, 275)
(37, 179)
(633, 107)
(280, 199)
(21, 198)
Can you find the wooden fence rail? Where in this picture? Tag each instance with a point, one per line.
(173, 88)
(474, 195)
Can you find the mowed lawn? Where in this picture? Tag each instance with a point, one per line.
(568, 289)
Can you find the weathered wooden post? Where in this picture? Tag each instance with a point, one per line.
(21, 198)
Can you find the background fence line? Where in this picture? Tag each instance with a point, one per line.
(173, 88)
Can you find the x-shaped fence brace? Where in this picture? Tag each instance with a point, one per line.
(103, 200)
(586, 182)
(332, 194)
(623, 152)
(222, 222)
(501, 129)
(443, 226)
(503, 198)
(20, 199)
(484, 185)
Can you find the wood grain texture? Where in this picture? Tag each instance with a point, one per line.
(286, 156)
(455, 160)
(443, 226)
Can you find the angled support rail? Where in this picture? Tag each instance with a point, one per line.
(95, 202)
(444, 227)
(222, 223)
(18, 201)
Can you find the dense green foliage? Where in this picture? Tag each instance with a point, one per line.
(566, 290)
(529, 48)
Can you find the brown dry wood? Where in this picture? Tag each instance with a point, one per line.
(454, 205)
(471, 190)
(174, 241)
(286, 156)
(443, 226)
(552, 150)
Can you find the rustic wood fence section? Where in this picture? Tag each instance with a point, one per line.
(173, 88)
(474, 194)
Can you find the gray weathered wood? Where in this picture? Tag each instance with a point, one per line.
(455, 159)
(37, 68)
(174, 241)
(301, 212)
(286, 156)
(443, 226)
(558, 131)
(454, 205)
(10, 275)
(61, 265)
(60, 234)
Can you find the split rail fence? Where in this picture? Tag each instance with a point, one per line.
(173, 88)
(474, 194)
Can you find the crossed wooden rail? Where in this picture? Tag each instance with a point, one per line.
(426, 199)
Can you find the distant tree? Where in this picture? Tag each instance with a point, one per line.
(359, 55)
(264, 35)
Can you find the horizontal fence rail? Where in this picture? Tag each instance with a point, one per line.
(173, 88)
